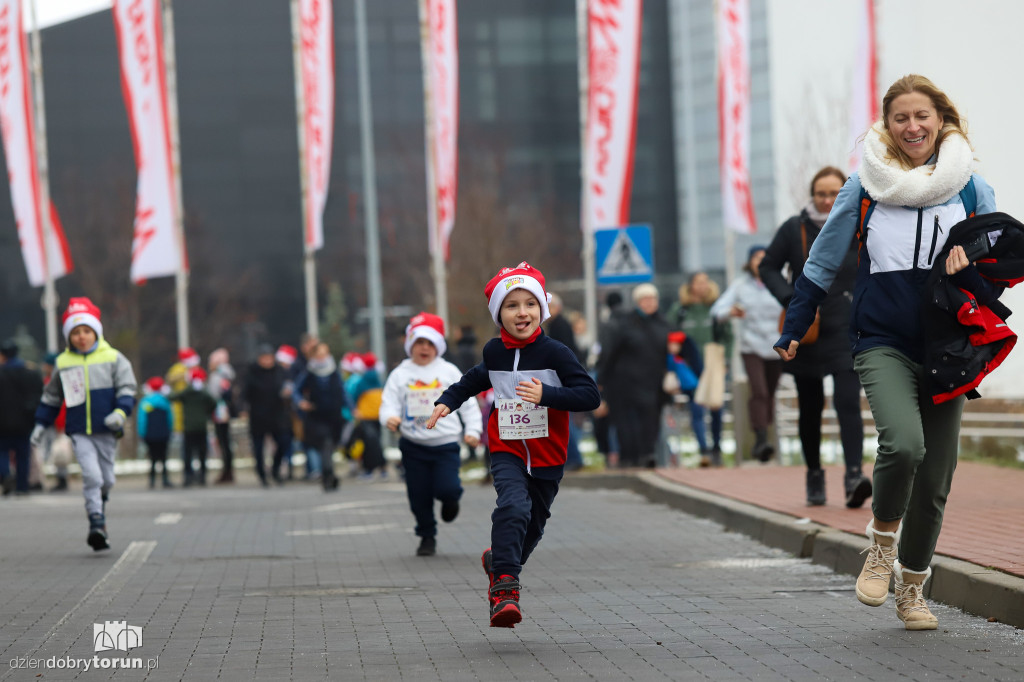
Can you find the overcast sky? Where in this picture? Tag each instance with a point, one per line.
(49, 12)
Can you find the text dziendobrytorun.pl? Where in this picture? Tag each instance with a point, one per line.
(86, 664)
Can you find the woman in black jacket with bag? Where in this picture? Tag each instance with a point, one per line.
(830, 354)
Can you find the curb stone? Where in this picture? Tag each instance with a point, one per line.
(974, 589)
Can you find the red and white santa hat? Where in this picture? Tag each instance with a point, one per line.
(522, 276)
(197, 374)
(154, 384)
(425, 326)
(286, 355)
(81, 311)
(188, 357)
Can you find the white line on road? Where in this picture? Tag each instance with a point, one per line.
(167, 518)
(347, 530)
(104, 591)
(355, 504)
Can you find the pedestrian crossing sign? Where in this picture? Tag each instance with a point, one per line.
(624, 254)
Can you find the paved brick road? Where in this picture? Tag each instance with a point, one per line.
(292, 584)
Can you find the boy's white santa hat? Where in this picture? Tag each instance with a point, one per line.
(81, 311)
(522, 276)
(425, 326)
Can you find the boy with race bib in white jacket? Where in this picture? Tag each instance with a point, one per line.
(431, 459)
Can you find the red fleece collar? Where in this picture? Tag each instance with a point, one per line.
(512, 342)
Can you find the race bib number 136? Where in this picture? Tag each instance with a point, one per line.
(518, 419)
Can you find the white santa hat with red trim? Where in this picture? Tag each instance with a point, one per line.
(425, 326)
(522, 276)
(188, 357)
(81, 311)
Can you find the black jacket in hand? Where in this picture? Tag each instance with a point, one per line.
(966, 336)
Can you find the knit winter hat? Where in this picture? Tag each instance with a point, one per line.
(188, 357)
(522, 276)
(286, 355)
(81, 311)
(425, 326)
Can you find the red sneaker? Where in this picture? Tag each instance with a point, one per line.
(504, 598)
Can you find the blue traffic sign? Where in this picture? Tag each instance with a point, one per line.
(624, 255)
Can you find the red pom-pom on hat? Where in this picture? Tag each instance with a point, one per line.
(523, 276)
(155, 384)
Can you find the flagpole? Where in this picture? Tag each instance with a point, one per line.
(42, 165)
(437, 255)
(309, 255)
(587, 251)
(181, 277)
(373, 277)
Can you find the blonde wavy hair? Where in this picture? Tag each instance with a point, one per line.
(952, 121)
(686, 298)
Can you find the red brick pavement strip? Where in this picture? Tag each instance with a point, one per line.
(984, 522)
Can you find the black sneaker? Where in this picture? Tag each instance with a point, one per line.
(449, 510)
(858, 489)
(815, 487)
(485, 561)
(428, 547)
(97, 533)
(504, 600)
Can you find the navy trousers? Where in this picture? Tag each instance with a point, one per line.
(523, 508)
(431, 473)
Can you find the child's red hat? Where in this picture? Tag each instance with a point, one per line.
(81, 311)
(425, 326)
(522, 276)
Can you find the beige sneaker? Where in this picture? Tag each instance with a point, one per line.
(873, 581)
(910, 604)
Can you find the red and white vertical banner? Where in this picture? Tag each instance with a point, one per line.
(734, 115)
(442, 70)
(864, 97)
(18, 128)
(613, 38)
(157, 248)
(316, 19)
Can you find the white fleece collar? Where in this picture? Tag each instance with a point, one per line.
(928, 185)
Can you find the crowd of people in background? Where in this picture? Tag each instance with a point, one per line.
(305, 405)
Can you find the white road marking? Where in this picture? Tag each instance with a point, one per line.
(110, 585)
(346, 530)
(167, 518)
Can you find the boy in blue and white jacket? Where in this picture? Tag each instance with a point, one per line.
(97, 384)
(430, 458)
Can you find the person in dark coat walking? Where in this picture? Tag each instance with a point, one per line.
(320, 397)
(630, 373)
(265, 395)
(20, 390)
(830, 354)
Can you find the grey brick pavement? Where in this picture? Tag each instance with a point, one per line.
(290, 583)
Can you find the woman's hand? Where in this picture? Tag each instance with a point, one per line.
(393, 423)
(788, 354)
(956, 260)
(737, 311)
(471, 441)
(439, 411)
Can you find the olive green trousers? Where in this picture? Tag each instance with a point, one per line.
(917, 450)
